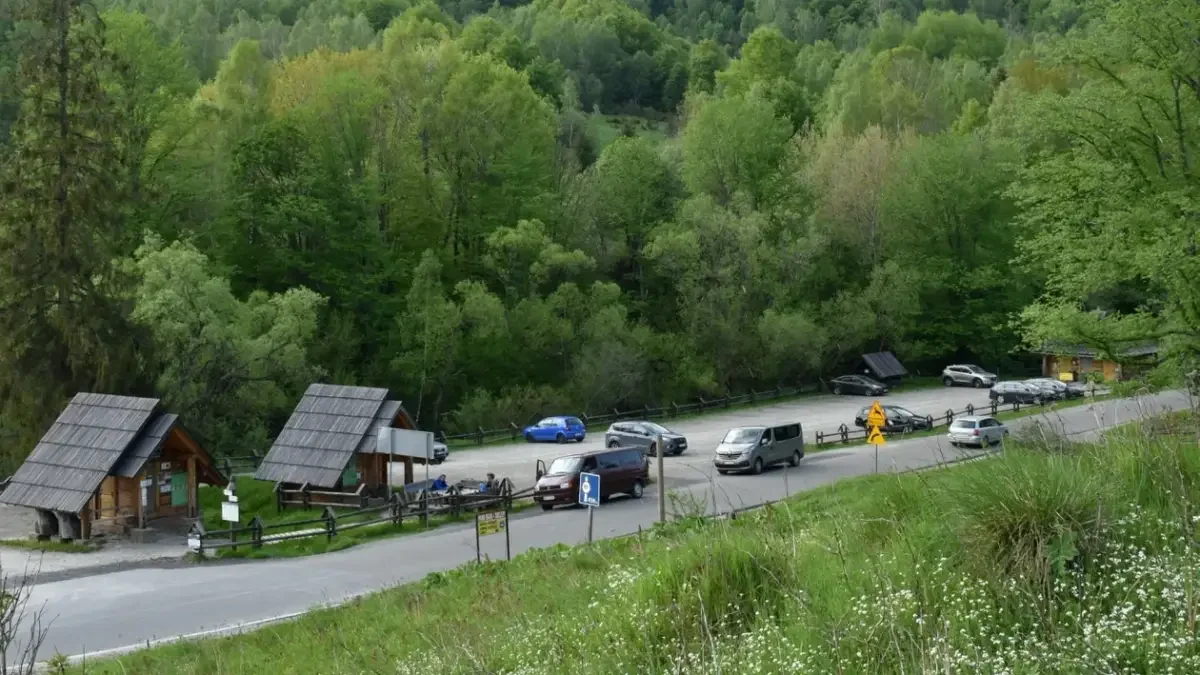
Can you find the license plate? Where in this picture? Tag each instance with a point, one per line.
(548, 498)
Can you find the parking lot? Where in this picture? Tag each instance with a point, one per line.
(517, 461)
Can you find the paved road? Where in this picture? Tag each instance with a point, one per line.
(127, 609)
(818, 413)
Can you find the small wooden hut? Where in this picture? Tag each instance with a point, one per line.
(111, 463)
(330, 441)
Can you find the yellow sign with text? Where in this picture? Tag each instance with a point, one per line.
(490, 523)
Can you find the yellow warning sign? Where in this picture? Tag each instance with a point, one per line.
(875, 437)
(876, 418)
(491, 522)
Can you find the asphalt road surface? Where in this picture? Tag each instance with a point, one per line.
(124, 610)
(518, 461)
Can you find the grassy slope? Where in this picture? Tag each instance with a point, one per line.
(604, 129)
(1046, 559)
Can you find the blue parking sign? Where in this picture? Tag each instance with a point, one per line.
(589, 489)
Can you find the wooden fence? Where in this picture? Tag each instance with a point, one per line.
(846, 435)
(513, 431)
(395, 511)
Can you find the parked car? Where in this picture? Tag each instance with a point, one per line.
(556, 429)
(1065, 389)
(755, 448)
(1008, 392)
(976, 430)
(898, 419)
(1051, 389)
(440, 452)
(967, 376)
(621, 470)
(857, 384)
(642, 435)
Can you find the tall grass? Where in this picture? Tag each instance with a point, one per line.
(1054, 557)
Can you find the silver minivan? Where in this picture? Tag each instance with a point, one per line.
(755, 448)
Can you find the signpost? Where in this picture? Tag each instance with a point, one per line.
(230, 511)
(875, 422)
(492, 522)
(662, 486)
(589, 496)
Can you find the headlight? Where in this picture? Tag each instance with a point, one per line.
(564, 486)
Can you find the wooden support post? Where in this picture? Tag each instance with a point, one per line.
(192, 488)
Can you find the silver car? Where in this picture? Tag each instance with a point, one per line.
(755, 448)
(967, 376)
(977, 430)
(642, 435)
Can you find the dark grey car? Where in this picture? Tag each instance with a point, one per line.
(641, 434)
(755, 448)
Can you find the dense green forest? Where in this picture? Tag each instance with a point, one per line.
(497, 209)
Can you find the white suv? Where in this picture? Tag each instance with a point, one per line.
(967, 376)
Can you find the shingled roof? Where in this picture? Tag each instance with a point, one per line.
(884, 365)
(330, 424)
(82, 446)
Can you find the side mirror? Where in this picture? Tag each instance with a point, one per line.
(541, 469)
(765, 441)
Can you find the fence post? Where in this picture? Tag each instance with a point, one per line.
(726, 400)
(255, 458)
(425, 507)
(256, 532)
(647, 407)
(844, 432)
(995, 406)
(305, 497)
(970, 409)
(820, 438)
(396, 507)
(753, 396)
(515, 430)
(279, 498)
(228, 468)
(330, 519)
(949, 416)
(674, 410)
(1016, 406)
(703, 403)
(929, 420)
(479, 436)
(778, 391)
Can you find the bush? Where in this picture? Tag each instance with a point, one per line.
(725, 582)
(1031, 515)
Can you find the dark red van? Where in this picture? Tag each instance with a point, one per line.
(621, 470)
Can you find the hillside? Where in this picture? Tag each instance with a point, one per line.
(508, 209)
(1049, 558)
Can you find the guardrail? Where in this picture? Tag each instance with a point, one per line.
(397, 509)
(305, 496)
(846, 435)
(513, 430)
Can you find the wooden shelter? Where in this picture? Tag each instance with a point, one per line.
(1075, 362)
(883, 366)
(329, 442)
(111, 463)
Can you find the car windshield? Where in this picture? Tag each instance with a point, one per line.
(903, 412)
(976, 369)
(656, 428)
(742, 435)
(870, 381)
(564, 465)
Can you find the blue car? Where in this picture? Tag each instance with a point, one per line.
(556, 429)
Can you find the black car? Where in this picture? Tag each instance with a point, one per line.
(898, 419)
(857, 384)
(1019, 392)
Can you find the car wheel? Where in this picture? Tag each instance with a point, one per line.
(758, 466)
(614, 444)
(795, 459)
(837, 391)
(561, 439)
(547, 507)
(528, 438)
(949, 382)
(977, 383)
(638, 490)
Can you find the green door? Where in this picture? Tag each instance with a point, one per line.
(350, 476)
(179, 486)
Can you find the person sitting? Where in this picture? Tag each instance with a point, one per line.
(439, 483)
(491, 484)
